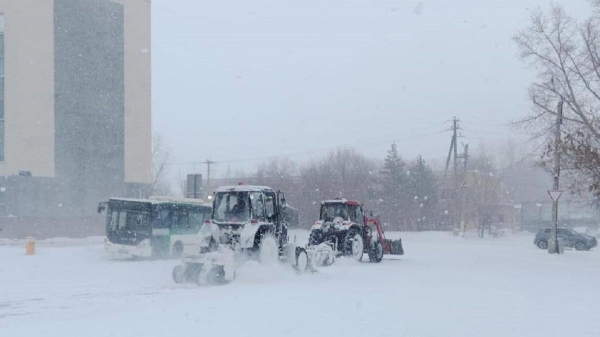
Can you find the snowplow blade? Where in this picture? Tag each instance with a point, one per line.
(216, 267)
(320, 255)
(395, 247)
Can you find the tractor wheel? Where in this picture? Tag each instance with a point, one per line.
(178, 274)
(178, 249)
(376, 252)
(302, 263)
(268, 252)
(354, 244)
(316, 237)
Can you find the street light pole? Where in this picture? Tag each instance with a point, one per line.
(553, 248)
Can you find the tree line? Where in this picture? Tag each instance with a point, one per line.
(407, 195)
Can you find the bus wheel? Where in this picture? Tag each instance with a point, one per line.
(178, 274)
(178, 249)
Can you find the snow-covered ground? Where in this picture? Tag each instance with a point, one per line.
(443, 286)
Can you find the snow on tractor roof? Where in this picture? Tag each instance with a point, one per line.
(342, 201)
(243, 188)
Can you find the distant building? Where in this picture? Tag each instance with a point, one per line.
(75, 114)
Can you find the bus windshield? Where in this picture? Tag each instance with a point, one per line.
(129, 220)
(231, 207)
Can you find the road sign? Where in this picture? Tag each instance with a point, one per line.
(555, 194)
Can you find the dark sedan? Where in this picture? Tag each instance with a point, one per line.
(569, 237)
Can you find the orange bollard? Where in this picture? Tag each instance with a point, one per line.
(30, 246)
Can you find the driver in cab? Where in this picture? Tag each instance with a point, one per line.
(238, 212)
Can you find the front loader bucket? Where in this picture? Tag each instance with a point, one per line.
(395, 247)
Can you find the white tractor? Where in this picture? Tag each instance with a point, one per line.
(247, 221)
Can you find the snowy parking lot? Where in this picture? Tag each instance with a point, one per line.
(443, 286)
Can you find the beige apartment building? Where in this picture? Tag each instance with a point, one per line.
(75, 107)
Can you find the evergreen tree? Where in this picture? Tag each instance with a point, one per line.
(423, 191)
(394, 188)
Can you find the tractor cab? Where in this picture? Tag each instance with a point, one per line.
(245, 214)
(346, 210)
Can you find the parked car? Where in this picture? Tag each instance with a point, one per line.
(569, 237)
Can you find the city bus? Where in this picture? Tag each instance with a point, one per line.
(154, 227)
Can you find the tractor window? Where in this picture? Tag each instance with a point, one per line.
(270, 204)
(334, 210)
(359, 216)
(231, 207)
(352, 213)
(258, 206)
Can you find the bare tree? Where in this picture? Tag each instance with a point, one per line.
(278, 173)
(161, 156)
(484, 191)
(566, 56)
(342, 173)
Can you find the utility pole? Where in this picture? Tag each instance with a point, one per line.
(553, 247)
(453, 148)
(457, 193)
(466, 157)
(455, 141)
(463, 189)
(453, 151)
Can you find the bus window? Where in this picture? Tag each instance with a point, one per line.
(179, 219)
(160, 219)
(137, 220)
(122, 220)
(196, 218)
(113, 220)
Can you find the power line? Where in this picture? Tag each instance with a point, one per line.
(309, 152)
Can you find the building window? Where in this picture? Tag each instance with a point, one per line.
(1, 87)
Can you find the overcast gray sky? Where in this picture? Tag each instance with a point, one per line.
(237, 80)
